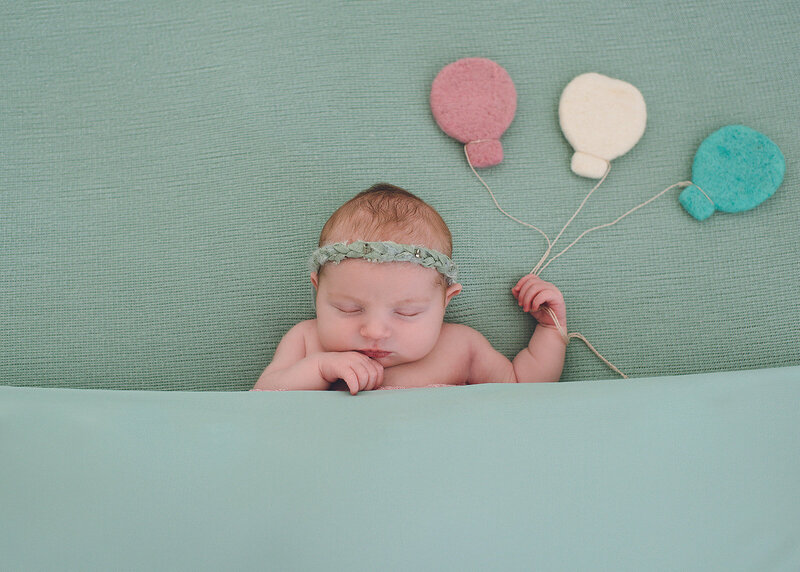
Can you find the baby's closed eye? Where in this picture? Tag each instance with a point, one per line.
(408, 313)
(345, 309)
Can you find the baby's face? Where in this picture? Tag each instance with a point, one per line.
(391, 311)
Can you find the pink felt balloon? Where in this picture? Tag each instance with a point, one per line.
(473, 100)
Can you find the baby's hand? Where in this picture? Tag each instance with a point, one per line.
(533, 293)
(357, 370)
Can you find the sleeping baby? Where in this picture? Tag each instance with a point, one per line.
(383, 278)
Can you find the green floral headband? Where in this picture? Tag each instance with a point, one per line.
(385, 252)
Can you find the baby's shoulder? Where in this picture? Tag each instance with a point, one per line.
(302, 337)
(469, 341)
(305, 330)
(305, 326)
(460, 333)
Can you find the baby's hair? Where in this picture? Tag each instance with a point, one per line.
(385, 212)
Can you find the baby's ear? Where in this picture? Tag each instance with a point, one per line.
(451, 291)
(315, 280)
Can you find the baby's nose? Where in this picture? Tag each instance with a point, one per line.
(375, 329)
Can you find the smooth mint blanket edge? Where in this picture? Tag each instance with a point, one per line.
(692, 472)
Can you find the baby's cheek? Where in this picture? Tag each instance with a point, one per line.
(423, 336)
(332, 335)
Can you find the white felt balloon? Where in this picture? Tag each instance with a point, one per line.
(602, 118)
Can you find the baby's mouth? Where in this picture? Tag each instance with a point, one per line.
(374, 354)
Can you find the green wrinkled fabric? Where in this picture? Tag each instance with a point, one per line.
(166, 167)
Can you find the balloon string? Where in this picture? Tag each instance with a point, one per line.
(541, 265)
(564, 335)
(538, 268)
(515, 219)
(713, 204)
(682, 184)
(567, 337)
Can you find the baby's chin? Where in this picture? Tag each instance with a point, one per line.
(386, 359)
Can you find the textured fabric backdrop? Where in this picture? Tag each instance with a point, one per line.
(165, 169)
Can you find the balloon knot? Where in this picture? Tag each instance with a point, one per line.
(482, 153)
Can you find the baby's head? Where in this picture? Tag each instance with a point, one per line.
(388, 213)
(387, 301)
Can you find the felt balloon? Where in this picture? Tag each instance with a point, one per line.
(473, 100)
(602, 118)
(735, 169)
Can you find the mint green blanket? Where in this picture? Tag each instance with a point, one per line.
(674, 473)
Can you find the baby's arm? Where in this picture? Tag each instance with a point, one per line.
(292, 368)
(543, 358)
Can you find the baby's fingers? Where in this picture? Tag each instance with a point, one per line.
(527, 293)
(376, 375)
(355, 377)
(549, 299)
(522, 282)
(351, 379)
(365, 375)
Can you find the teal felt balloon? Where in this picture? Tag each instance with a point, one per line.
(735, 169)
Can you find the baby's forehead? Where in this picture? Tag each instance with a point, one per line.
(355, 272)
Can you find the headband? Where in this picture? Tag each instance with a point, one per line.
(385, 252)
